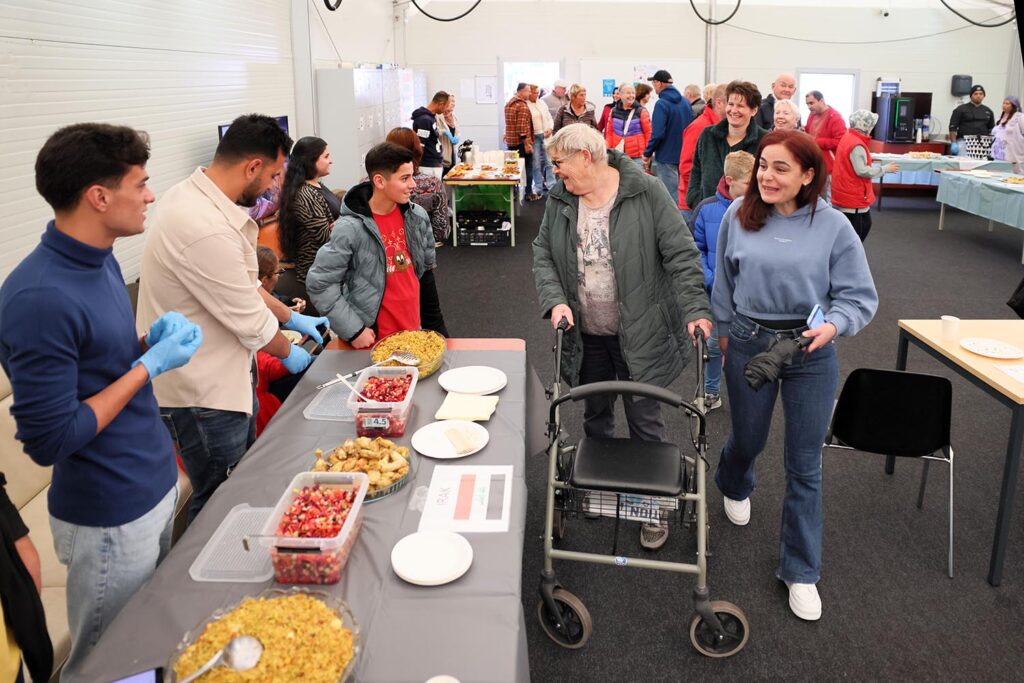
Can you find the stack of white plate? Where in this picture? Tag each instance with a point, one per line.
(473, 379)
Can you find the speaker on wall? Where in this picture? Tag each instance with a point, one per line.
(961, 85)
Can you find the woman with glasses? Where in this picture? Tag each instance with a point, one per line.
(615, 259)
(308, 210)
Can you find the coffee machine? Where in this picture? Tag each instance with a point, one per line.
(895, 119)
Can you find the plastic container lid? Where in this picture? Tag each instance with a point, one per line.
(224, 558)
(330, 404)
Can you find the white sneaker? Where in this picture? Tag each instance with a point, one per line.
(804, 600)
(738, 511)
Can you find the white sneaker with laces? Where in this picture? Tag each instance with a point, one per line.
(738, 511)
(804, 600)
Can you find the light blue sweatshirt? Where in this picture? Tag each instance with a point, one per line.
(792, 263)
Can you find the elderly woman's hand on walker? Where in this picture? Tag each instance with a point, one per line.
(561, 311)
(704, 324)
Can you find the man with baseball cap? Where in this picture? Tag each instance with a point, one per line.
(972, 118)
(557, 98)
(672, 114)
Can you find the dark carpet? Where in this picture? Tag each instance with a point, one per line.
(890, 612)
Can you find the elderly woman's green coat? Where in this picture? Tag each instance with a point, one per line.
(658, 274)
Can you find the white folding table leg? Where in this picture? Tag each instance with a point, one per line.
(455, 216)
(512, 200)
(990, 225)
(942, 215)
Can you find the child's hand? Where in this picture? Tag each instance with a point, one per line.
(299, 305)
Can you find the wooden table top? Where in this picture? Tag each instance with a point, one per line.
(986, 369)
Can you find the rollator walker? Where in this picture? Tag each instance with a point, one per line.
(637, 480)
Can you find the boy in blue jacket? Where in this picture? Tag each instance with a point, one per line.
(705, 220)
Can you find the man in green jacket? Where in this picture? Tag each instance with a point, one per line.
(615, 259)
(366, 278)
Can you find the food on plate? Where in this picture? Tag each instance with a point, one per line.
(384, 462)
(488, 167)
(302, 638)
(923, 155)
(426, 345)
(511, 169)
(316, 512)
(386, 389)
(1014, 180)
(462, 439)
(456, 172)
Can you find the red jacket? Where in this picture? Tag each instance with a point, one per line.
(849, 190)
(690, 135)
(827, 130)
(268, 369)
(637, 136)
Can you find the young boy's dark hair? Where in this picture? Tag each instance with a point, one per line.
(85, 154)
(253, 135)
(386, 158)
(266, 261)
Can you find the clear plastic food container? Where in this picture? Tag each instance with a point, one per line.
(315, 560)
(375, 418)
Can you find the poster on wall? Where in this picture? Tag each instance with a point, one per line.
(486, 90)
(641, 72)
(607, 87)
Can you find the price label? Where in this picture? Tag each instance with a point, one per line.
(376, 422)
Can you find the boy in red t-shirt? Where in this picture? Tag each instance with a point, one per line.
(366, 279)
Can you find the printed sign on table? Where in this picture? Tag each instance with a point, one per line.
(468, 499)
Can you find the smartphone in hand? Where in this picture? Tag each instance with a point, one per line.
(816, 318)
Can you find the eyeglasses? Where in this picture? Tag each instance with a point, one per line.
(557, 163)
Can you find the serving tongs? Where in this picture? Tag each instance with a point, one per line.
(402, 357)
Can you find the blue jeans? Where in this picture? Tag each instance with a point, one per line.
(542, 171)
(106, 566)
(808, 389)
(713, 370)
(669, 175)
(210, 443)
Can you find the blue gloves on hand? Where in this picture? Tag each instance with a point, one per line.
(306, 324)
(954, 148)
(454, 138)
(173, 350)
(298, 359)
(168, 323)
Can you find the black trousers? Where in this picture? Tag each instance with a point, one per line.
(528, 156)
(861, 223)
(431, 317)
(603, 360)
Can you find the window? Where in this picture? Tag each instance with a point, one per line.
(838, 87)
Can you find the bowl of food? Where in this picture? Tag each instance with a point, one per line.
(426, 345)
(306, 635)
(387, 465)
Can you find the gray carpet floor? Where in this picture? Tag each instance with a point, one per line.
(890, 612)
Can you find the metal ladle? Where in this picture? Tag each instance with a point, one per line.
(241, 654)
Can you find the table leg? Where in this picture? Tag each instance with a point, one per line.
(455, 216)
(512, 202)
(942, 215)
(901, 364)
(1006, 494)
(990, 226)
(881, 184)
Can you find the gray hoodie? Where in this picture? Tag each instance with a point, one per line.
(792, 263)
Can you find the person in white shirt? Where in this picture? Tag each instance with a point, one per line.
(200, 260)
(542, 129)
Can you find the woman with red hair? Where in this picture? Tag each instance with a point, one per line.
(782, 250)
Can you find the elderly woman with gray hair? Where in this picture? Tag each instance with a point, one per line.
(615, 259)
(787, 115)
(852, 173)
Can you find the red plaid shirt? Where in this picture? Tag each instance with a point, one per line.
(518, 123)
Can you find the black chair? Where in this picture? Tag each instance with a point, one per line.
(891, 412)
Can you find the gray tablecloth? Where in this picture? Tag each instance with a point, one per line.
(472, 629)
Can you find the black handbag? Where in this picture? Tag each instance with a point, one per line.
(1016, 301)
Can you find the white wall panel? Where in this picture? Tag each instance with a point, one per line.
(175, 70)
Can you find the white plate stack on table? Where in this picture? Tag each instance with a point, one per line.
(457, 435)
(431, 558)
(450, 439)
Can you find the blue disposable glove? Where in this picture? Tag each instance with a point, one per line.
(454, 138)
(173, 351)
(298, 359)
(954, 148)
(168, 323)
(306, 324)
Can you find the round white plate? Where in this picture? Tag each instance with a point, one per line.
(473, 379)
(292, 336)
(992, 348)
(431, 441)
(431, 558)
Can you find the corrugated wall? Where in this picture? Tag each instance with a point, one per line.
(174, 69)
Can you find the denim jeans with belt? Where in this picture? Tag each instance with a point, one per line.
(210, 443)
(808, 389)
(106, 566)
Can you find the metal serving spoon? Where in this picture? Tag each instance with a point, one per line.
(403, 357)
(241, 654)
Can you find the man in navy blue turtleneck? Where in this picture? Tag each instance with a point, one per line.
(81, 378)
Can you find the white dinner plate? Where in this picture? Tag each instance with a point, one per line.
(292, 336)
(473, 379)
(431, 441)
(992, 348)
(431, 558)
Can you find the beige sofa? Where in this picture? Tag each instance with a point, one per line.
(27, 485)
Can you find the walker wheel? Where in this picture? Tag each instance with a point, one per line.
(576, 624)
(737, 631)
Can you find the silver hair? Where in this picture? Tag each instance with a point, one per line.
(790, 104)
(626, 84)
(577, 137)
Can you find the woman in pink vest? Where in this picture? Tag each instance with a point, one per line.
(852, 172)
